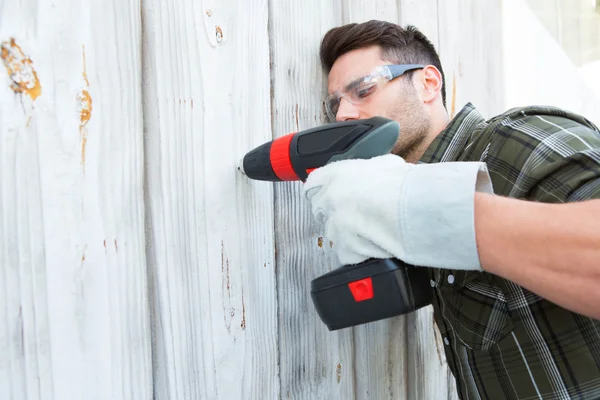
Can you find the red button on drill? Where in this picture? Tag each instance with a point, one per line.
(362, 289)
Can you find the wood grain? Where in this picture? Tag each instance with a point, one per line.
(361, 11)
(314, 363)
(470, 49)
(74, 309)
(211, 249)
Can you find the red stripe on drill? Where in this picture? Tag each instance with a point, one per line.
(280, 158)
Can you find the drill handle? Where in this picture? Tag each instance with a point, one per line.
(314, 148)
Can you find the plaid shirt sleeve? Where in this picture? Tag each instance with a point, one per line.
(501, 340)
(545, 155)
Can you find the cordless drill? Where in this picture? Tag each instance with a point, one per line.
(353, 294)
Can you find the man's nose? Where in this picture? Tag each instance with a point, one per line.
(346, 111)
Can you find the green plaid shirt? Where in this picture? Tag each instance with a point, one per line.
(501, 340)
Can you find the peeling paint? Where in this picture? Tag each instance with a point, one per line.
(85, 103)
(219, 34)
(320, 242)
(225, 269)
(83, 145)
(83, 256)
(330, 244)
(20, 70)
(228, 310)
(338, 372)
(243, 323)
(209, 13)
(228, 278)
(85, 107)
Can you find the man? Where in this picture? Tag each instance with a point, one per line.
(516, 279)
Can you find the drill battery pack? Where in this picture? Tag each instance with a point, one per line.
(372, 290)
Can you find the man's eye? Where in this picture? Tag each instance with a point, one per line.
(363, 91)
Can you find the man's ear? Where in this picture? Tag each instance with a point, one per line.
(432, 83)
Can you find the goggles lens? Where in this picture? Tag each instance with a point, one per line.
(358, 90)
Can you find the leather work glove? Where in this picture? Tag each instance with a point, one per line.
(384, 207)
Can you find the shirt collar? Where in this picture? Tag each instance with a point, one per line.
(450, 142)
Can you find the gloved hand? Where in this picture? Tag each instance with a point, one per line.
(383, 207)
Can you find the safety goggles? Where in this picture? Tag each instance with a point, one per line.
(358, 90)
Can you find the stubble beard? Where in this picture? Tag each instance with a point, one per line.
(415, 125)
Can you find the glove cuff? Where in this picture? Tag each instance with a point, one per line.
(438, 214)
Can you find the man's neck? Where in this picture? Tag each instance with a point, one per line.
(438, 125)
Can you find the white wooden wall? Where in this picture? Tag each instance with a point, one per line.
(74, 320)
(136, 262)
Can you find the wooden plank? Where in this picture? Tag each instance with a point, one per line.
(428, 374)
(314, 362)
(211, 251)
(470, 49)
(361, 11)
(422, 14)
(381, 359)
(74, 313)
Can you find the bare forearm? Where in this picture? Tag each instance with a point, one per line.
(551, 249)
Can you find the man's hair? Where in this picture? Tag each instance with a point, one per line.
(398, 45)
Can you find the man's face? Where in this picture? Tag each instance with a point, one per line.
(397, 99)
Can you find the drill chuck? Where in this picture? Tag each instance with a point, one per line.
(261, 162)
